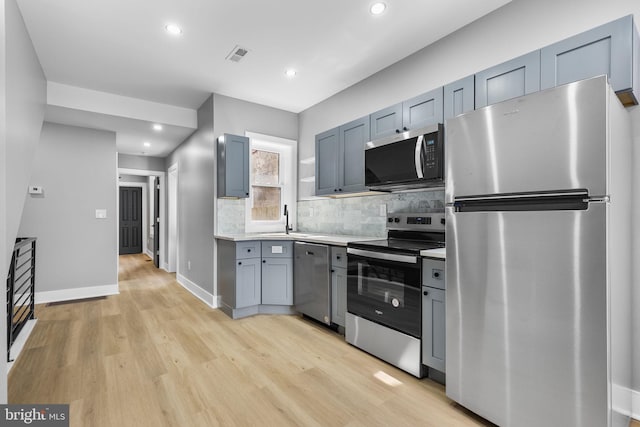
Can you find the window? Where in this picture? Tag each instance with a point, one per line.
(272, 182)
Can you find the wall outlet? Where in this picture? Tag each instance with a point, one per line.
(383, 210)
(310, 211)
(188, 265)
(101, 213)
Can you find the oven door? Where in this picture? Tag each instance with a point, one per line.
(385, 288)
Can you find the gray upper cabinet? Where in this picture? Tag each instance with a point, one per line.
(327, 162)
(233, 166)
(459, 97)
(517, 77)
(610, 49)
(386, 122)
(414, 113)
(340, 158)
(423, 110)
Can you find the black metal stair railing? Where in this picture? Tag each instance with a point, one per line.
(20, 288)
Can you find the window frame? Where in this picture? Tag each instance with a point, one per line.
(287, 149)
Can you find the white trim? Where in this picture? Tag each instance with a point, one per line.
(173, 220)
(20, 341)
(165, 267)
(635, 404)
(148, 253)
(197, 291)
(145, 215)
(76, 293)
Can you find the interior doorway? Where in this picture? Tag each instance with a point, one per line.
(130, 224)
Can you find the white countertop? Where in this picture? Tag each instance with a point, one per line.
(329, 239)
(434, 253)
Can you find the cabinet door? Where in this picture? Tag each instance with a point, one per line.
(423, 110)
(459, 97)
(607, 49)
(386, 122)
(433, 328)
(353, 137)
(338, 295)
(277, 281)
(327, 162)
(233, 166)
(511, 79)
(248, 274)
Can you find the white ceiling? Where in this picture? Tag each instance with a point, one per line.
(121, 47)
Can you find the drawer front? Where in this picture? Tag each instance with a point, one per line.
(338, 256)
(277, 249)
(433, 273)
(249, 249)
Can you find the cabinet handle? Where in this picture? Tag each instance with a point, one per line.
(405, 129)
(397, 130)
(264, 261)
(436, 275)
(332, 270)
(337, 256)
(335, 189)
(248, 250)
(239, 262)
(425, 293)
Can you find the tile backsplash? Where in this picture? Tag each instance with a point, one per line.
(363, 216)
(359, 216)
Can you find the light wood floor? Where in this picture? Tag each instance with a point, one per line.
(154, 355)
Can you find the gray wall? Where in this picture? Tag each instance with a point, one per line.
(22, 100)
(196, 190)
(517, 28)
(75, 249)
(129, 161)
(237, 117)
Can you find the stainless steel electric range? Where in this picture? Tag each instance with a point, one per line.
(384, 289)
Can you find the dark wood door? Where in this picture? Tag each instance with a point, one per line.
(156, 222)
(130, 220)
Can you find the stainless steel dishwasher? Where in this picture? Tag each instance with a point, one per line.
(312, 281)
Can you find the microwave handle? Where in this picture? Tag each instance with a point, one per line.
(418, 156)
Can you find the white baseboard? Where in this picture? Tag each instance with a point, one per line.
(149, 253)
(635, 404)
(20, 341)
(197, 291)
(76, 293)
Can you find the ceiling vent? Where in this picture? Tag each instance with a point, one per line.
(237, 53)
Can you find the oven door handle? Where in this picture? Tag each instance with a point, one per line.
(407, 259)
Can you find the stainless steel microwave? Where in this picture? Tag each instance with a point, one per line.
(411, 159)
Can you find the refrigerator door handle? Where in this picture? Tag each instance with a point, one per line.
(531, 196)
(597, 199)
(418, 156)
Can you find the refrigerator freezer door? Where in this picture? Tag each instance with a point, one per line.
(526, 316)
(550, 140)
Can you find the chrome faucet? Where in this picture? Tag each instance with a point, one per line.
(287, 228)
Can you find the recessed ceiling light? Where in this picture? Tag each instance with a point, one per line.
(378, 8)
(147, 144)
(173, 29)
(290, 72)
(157, 127)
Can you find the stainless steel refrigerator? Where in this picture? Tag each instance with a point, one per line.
(538, 259)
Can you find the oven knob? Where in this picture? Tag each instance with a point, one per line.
(395, 302)
(396, 220)
(442, 221)
(390, 219)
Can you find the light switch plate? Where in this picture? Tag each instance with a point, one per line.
(35, 189)
(101, 213)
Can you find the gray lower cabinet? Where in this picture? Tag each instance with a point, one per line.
(340, 158)
(459, 97)
(338, 285)
(610, 49)
(248, 282)
(277, 273)
(233, 166)
(517, 77)
(255, 277)
(433, 314)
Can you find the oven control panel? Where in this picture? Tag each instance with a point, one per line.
(416, 221)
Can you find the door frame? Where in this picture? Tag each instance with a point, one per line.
(173, 213)
(162, 176)
(145, 232)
